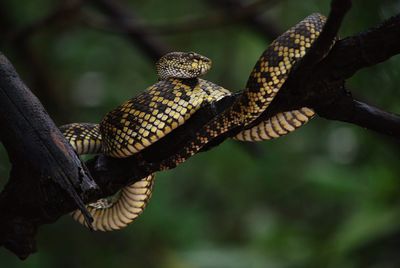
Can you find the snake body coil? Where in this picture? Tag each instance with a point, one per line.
(147, 118)
(267, 78)
(138, 123)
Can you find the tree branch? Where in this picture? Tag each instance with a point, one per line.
(42, 161)
(122, 18)
(227, 13)
(261, 24)
(362, 50)
(66, 10)
(44, 200)
(364, 115)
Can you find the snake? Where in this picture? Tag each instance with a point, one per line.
(268, 76)
(138, 123)
(164, 106)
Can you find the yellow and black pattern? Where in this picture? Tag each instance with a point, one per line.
(145, 119)
(85, 138)
(276, 126)
(117, 212)
(138, 123)
(182, 65)
(274, 66)
(114, 212)
(151, 115)
(268, 76)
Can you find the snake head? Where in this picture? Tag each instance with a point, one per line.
(182, 65)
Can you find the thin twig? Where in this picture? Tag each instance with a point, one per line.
(66, 10)
(123, 18)
(219, 18)
(266, 27)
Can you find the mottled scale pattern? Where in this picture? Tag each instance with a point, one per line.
(117, 212)
(138, 123)
(269, 74)
(85, 138)
(273, 67)
(276, 126)
(163, 107)
(182, 65)
(146, 118)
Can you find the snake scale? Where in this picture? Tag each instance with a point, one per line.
(267, 78)
(169, 103)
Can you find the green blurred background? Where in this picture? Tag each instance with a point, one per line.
(324, 196)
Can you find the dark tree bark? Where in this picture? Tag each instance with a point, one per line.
(43, 164)
(46, 173)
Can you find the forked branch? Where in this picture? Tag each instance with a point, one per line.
(46, 173)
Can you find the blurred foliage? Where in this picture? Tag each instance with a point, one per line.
(325, 196)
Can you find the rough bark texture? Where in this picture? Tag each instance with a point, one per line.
(46, 173)
(44, 167)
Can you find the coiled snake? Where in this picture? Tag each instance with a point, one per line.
(179, 93)
(267, 78)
